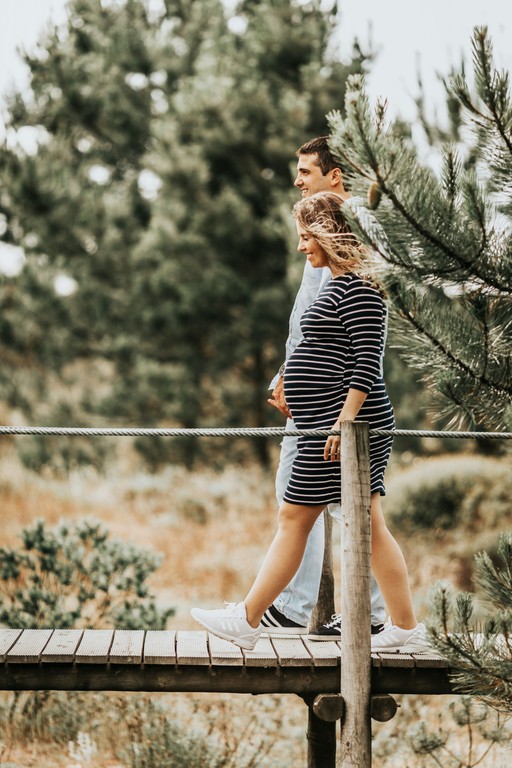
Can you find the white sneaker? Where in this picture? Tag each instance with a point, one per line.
(229, 623)
(395, 639)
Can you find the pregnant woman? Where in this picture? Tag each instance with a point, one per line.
(334, 375)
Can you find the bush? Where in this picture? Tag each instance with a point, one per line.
(76, 576)
(48, 717)
(73, 575)
(155, 738)
(451, 490)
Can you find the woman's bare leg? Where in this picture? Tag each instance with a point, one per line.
(390, 570)
(282, 559)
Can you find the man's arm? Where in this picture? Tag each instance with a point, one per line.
(312, 282)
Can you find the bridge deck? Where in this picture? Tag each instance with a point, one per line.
(195, 661)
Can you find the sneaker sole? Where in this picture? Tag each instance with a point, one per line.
(409, 648)
(284, 631)
(246, 645)
(324, 638)
(330, 638)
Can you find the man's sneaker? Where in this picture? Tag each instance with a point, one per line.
(229, 623)
(274, 623)
(332, 630)
(395, 639)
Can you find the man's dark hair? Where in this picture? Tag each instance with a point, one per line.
(320, 147)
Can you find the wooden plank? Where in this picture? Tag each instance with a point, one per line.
(127, 646)
(7, 639)
(291, 652)
(29, 646)
(94, 646)
(325, 653)
(263, 654)
(160, 647)
(403, 660)
(62, 646)
(431, 660)
(224, 653)
(192, 647)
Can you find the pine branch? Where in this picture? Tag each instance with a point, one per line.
(430, 237)
(491, 81)
(442, 237)
(450, 175)
(356, 134)
(449, 355)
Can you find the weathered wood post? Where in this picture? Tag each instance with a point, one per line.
(355, 742)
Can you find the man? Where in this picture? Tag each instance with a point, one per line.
(317, 171)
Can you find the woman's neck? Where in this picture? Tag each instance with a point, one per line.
(337, 271)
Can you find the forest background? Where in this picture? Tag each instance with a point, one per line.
(157, 267)
(152, 219)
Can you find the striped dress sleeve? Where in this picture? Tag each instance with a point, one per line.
(363, 314)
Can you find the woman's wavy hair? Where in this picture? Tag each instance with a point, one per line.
(321, 215)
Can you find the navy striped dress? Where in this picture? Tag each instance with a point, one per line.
(343, 347)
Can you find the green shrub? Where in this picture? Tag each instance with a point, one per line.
(74, 575)
(451, 490)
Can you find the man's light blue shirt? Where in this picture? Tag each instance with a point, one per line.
(313, 281)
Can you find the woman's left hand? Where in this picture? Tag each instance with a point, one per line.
(332, 450)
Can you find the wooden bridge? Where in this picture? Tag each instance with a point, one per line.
(195, 661)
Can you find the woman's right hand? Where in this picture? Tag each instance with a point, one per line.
(332, 450)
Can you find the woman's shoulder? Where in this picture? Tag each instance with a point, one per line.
(352, 280)
(352, 284)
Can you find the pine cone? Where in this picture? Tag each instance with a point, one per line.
(374, 195)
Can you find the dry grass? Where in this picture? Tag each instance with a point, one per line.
(211, 529)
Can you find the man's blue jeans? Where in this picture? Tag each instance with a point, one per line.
(299, 598)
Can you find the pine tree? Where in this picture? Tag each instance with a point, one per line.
(161, 187)
(447, 267)
(75, 208)
(447, 251)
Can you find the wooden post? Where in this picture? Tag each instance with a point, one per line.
(355, 744)
(324, 608)
(321, 736)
